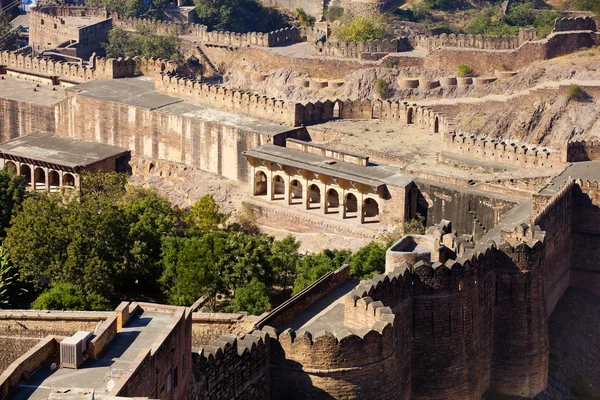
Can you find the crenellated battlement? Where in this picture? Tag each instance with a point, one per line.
(500, 151)
(545, 208)
(468, 41)
(358, 49)
(583, 150)
(574, 24)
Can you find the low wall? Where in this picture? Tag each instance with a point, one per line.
(583, 150)
(28, 362)
(468, 41)
(105, 333)
(313, 148)
(359, 49)
(575, 24)
(208, 327)
(500, 152)
(305, 298)
(102, 68)
(243, 365)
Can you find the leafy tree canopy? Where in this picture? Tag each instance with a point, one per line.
(12, 193)
(8, 39)
(238, 16)
(361, 29)
(67, 296)
(131, 8)
(141, 43)
(252, 298)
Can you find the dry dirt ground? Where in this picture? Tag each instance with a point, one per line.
(411, 149)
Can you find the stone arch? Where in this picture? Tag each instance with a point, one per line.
(278, 186)
(314, 194)
(10, 167)
(39, 178)
(260, 183)
(371, 208)
(296, 190)
(436, 125)
(333, 199)
(351, 203)
(26, 173)
(53, 179)
(410, 116)
(337, 109)
(68, 180)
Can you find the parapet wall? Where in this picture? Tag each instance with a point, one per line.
(575, 24)
(467, 41)
(501, 152)
(357, 49)
(313, 148)
(232, 368)
(102, 68)
(583, 150)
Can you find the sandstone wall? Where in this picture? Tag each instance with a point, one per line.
(21, 331)
(500, 152)
(556, 218)
(583, 150)
(210, 146)
(19, 118)
(232, 368)
(168, 360)
(356, 49)
(471, 212)
(468, 41)
(575, 24)
(585, 268)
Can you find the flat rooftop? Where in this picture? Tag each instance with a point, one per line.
(140, 332)
(29, 92)
(82, 22)
(60, 150)
(588, 170)
(139, 92)
(372, 175)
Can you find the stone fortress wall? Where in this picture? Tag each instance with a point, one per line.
(583, 150)
(501, 152)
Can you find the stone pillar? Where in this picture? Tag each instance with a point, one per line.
(270, 190)
(343, 204)
(253, 181)
(18, 166)
(77, 181)
(287, 191)
(47, 174)
(306, 197)
(60, 179)
(32, 172)
(2, 163)
(324, 199)
(360, 208)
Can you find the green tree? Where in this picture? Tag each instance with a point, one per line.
(252, 298)
(205, 215)
(12, 193)
(197, 269)
(8, 38)
(67, 296)
(285, 260)
(238, 16)
(37, 239)
(149, 219)
(361, 29)
(314, 266)
(246, 257)
(303, 18)
(415, 226)
(131, 8)
(368, 261)
(141, 43)
(9, 285)
(383, 88)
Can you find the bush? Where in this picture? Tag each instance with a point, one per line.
(305, 19)
(361, 29)
(333, 12)
(66, 296)
(415, 226)
(575, 93)
(588, 5)
(238, 16)
(382, 87)
(368, 261)
(252, 298)
(464, 71)
(142, 43)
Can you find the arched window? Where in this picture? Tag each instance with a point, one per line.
(54, 180)
(26, 173)
(314, 194)
(371, 208)
(260, 184)
(409, 116)
(10, 167)
(296, 190)
(351, 203)
(68, 180)
(39, 177)
(436, 125)
(278, 187)
(333, 200)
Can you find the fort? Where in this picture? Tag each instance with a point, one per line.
(461, 312)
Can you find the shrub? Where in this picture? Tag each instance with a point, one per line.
(575, 93)
(305, 19)
(252, 298)
(66, 296)
(415, 226)
(464, 71)
(361, 29)
(333, 12)
(382, 87)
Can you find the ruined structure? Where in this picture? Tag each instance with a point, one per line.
(460, 313)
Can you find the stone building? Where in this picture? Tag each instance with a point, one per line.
(51, 162)
(76, 36)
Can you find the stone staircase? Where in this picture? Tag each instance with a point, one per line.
(206, 61)
(479, 229)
